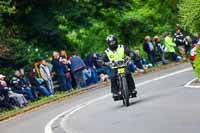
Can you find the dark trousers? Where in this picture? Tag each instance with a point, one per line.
(64, 83)
(114, 86)
(151, 56)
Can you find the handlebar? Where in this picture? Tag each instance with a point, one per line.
(119, 63)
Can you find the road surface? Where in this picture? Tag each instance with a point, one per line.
(163, 105)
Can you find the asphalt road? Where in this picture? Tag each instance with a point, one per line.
(163, 105)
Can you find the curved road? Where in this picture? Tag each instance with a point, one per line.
(163, 105)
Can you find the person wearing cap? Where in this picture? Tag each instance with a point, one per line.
(7, 95)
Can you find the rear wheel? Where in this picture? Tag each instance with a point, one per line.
(125, 92)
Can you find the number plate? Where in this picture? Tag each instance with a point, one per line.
(120, 70)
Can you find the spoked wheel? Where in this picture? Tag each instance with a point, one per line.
(125, 92)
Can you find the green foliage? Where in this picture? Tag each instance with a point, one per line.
(79, 25)
(189, 13)
(197, 63)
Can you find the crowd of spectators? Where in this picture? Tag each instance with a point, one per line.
(72, 71)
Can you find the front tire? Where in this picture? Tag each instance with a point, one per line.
(125, 92)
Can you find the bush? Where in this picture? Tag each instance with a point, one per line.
(197, 63)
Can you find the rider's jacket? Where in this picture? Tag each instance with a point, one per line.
(116, 55)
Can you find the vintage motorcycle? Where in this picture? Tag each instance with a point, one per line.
(120, 68)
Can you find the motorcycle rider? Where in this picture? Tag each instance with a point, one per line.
(116, 52)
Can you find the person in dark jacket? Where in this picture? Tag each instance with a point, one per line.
(25, 82)
(67, 70)
(77, 67)
(59, 70)
(187, 45)
(90, 62)
(179, 41)
(21, 87)
(195, 39)
(160, 49)
(149, 48)
(38, 83)
(10, 99)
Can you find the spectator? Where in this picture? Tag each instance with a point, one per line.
(179, 41)
(139, 61)
(59, 70)
(10, 99)
(193, 54)
(87, 75)
(38, 83)
(150, 50)
(100, 69)
(65, 62)
(187, 45)
(46, 76)
(170, 47)
(131, 66)
(20, 87)
(77, 67)
(90, 62)
(195, 39)
(4, 97)
(25, 81)
(160, 49)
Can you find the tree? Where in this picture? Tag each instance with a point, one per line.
(189, 12)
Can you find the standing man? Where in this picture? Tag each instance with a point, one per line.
(46, 75)
(179, 40)
(150, 50)
(59, 70)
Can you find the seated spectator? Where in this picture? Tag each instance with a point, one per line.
(101, 69)
(131, 66)
(38, 83)
(87, 75)
(149, 48)
(139, 61)
(4, 97)
(21, 87)
(90, 62)
(46, 76)
(170, 48)
(77, 67)
(160, 49)
(8, 97)
(26, 82)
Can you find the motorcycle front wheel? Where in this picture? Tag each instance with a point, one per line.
(125, 92)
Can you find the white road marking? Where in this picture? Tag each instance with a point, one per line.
(188, 85)
(48, 127)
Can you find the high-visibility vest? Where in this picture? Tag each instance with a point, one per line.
(116, 55)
